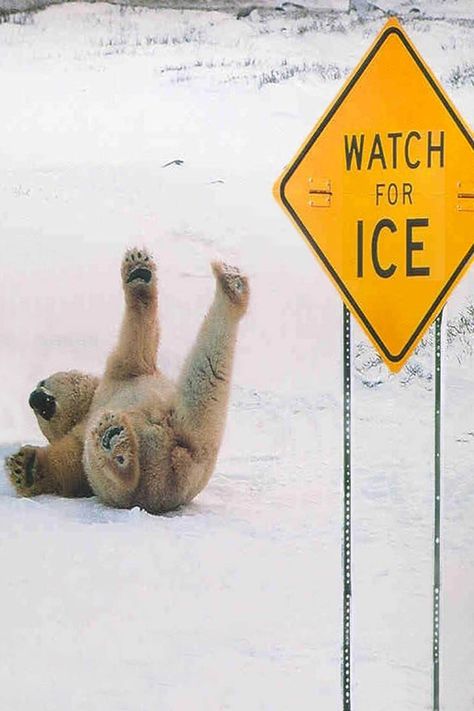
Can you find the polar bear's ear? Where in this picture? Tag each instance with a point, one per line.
(62, 401)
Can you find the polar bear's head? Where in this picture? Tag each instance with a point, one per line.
(62, 401)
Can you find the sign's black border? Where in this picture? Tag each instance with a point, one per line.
(422, 325)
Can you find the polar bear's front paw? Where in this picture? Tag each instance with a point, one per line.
(138, 273)
(234, 284)
(114, 448)
(23, 471)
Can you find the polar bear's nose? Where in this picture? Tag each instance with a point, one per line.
(42, 403)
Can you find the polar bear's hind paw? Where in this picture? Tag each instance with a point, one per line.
(114, 448)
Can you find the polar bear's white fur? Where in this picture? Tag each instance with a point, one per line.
(134, 437)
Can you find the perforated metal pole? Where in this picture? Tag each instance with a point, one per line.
(437, 515)
(346, 542)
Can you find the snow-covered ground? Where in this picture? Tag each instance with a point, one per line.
(235, 602)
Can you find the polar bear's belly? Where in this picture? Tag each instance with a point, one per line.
(129, 394)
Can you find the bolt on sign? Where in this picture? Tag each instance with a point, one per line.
(383, 192)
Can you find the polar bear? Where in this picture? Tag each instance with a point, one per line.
(134, 437)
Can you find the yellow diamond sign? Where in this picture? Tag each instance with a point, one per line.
(383, 192)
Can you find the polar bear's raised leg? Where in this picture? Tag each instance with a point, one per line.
(204, 384)
(135, 353)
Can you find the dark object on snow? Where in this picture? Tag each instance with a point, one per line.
(291, 6)
(245, 11)
(177, 161)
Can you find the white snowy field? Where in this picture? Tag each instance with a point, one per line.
(234, 602)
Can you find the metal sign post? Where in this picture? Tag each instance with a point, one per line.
(346, 662)
(346, 528)
(437, 515)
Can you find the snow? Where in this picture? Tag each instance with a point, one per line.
(235, 601)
